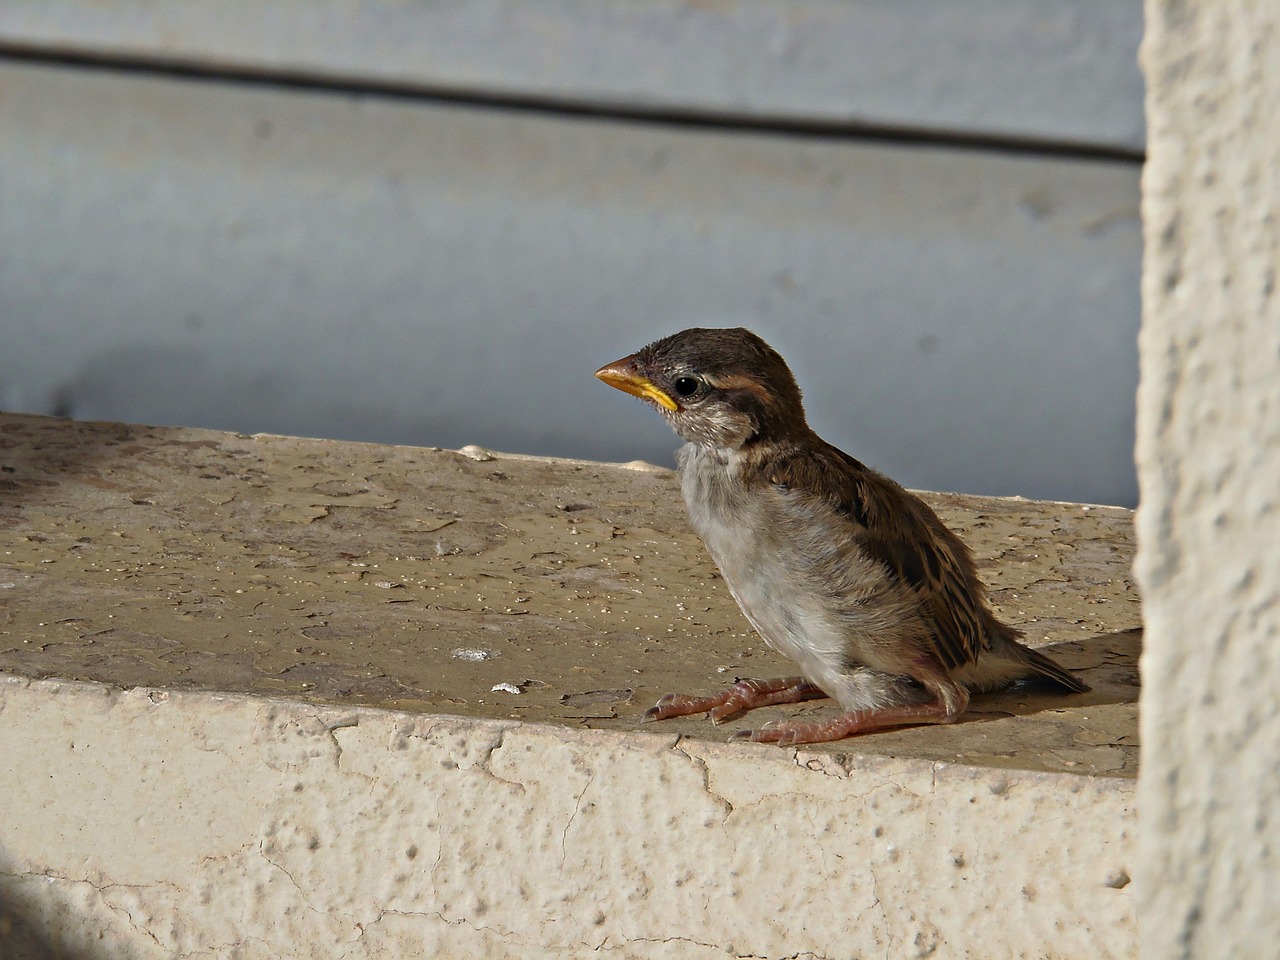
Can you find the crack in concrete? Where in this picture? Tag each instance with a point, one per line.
(230, 948)
(700, 765)
(835, 765)
(124, 913)
(811, 955)
(266, 945)
(336, 725)
(485, 765)
(435, 864)
(688, 940)
(246, 847)
(577, 806)
(60, 878)
(102, 890)
(383, 913)
(876, 902)
(302, 895)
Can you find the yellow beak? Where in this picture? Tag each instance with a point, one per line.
(622, 374)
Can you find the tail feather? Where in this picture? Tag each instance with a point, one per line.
(1054, 672)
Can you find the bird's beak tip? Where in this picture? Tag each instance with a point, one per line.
(616, 373)
(622, 375)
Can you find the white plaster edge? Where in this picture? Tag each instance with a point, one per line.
(153, 823)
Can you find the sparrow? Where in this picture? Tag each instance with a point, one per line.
(835, 565)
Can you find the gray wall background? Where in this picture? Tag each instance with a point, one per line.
(429, 223)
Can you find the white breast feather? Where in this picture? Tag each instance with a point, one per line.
(834, 612)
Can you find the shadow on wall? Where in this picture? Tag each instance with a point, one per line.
(184, 386)
(446, 406)
(39, 921)
(182, 379)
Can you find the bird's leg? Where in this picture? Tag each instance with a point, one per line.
(950, 700)
(738, 699)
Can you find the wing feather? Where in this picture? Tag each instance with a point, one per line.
(899, 530)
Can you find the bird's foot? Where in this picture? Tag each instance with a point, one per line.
(787, 733)
(738, 699)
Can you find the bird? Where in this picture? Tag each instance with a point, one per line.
(835, 565)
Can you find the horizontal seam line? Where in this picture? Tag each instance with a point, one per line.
(549, 104)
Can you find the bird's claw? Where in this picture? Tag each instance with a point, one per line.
(678, 705)
(775, 731)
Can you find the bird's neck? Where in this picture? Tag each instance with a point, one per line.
(737, 457)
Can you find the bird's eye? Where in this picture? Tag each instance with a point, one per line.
(686, 386)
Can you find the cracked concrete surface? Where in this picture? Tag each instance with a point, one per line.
(249, 712)
(304, 830)
(420, 579)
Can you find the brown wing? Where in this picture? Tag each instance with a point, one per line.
(898, 529)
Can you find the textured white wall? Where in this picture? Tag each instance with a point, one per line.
(230, 826)
(1209, 465)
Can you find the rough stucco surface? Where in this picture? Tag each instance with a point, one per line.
(188, 824)
(1209, 459)
(235, 722)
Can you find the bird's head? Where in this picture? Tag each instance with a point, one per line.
(719, 388)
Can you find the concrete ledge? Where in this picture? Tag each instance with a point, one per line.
(282, 739)
(152, 823)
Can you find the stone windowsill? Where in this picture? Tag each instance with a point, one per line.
(345, 664)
